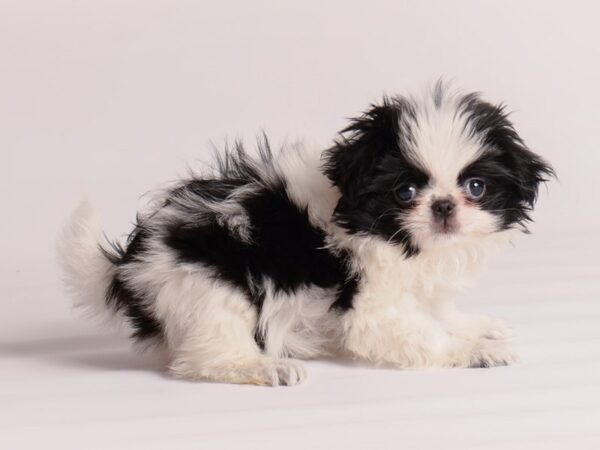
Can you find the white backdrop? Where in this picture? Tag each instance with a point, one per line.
(107, 99)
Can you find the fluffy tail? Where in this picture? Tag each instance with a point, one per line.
(87, 270)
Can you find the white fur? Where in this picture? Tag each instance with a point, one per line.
(300, 324)
(404, 315)
(86, 271)
(301, 165)
(442, 142)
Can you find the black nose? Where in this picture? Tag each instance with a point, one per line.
(442, 209)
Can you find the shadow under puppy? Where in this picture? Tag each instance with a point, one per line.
(355, 250)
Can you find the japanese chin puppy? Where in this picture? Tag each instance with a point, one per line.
(353, 250)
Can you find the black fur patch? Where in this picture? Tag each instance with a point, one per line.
(368, 163)
(284, 248)
(121, 298)
(512, 173)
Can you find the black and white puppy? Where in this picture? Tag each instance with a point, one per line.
(354, 250)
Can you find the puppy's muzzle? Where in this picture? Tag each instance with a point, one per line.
(443, 209)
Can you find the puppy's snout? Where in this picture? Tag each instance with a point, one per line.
(442, 209)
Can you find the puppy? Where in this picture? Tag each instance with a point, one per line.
(354, 250)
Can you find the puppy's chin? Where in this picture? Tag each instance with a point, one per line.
(442, 236)
(468, 228)
(445, 228)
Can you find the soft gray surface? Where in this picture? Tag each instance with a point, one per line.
(109, 98)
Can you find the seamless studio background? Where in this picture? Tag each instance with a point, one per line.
(108, 99)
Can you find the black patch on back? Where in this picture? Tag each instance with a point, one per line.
(284, 247)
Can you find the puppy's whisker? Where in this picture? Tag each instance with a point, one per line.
(384, 214)
(394, 235)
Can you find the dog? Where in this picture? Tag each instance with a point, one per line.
(354, 250)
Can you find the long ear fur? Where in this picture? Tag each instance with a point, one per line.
(528, 170)
(356, 152)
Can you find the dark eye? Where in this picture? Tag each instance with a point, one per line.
(406, 192)
(475, 188)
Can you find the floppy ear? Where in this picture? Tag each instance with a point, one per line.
(527, 170)
(354, 155)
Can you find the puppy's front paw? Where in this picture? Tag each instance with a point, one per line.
(271, 372)
(495, 329)
(284, 372)
(475, 326)
(492, 352)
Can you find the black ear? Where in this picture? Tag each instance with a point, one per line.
(529, 170)
(525, 169)
(354, 155)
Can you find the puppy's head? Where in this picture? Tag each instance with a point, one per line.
(432, 171)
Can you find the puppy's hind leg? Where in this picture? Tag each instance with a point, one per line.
(227, 363)
(218, 344)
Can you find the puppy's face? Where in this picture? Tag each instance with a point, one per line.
(434, 171)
